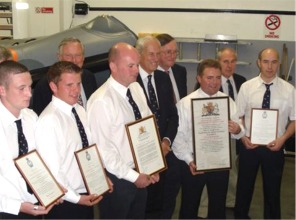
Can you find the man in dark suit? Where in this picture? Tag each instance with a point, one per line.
(230, 85)
(167, 63)
(72, 50)
(163, 107)
(178, 77)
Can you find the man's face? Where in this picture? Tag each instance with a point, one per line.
(268, 64)
(150, 57)
(17, 94)
(68, 88)
(228, 63)
(72, 52)
(210, 81)
(126, 68)
(168, 55)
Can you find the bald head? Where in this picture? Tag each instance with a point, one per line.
(123, 63)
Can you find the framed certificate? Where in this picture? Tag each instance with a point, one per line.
(264, 125)
(211, 138)
(92, 170)
(37, 175)
(145, 145)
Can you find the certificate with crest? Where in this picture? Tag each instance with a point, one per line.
(145, 145)
(92, 170)
(211, 138)
(43, 184)
(264, 126)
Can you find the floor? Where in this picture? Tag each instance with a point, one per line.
(287, 195)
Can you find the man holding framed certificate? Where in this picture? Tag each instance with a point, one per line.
(61, 130)
(16, 200)
(209, 78)
(119, 101)
(267, 105)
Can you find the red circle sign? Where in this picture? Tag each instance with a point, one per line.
(273, 22)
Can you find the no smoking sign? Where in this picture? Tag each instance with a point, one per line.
(272, 26)
(272, 22)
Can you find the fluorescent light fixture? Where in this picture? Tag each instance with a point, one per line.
(21, 5)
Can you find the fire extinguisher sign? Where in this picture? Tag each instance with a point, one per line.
(272, 26)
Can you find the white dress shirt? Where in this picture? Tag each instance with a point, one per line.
(173, 80)
(108, 111)
(282, 97)
(183, 143)
(57, 138)
(13, 189)
(144, 76)
(224, 85)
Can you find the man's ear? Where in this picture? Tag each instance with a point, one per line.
(112, 67)
(53, 87)
(2, 91)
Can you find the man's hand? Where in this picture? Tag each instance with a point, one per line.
(233, 127)
(31, 209)
(89, 200)
(192, 168)
(165, 145)
(143, 181)
(247, 143)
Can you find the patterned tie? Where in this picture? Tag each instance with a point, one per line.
(134, 105)
(266, 97)
(23, 144)
(152, 97)
(80, 102)
(230, 89)
(81, 129)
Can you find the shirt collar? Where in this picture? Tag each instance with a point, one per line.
(63, 106)
(261, 82)
(7, 117)
(224, 79)
(118, 87)
(203, 94)
(160, 68)
(144, 74)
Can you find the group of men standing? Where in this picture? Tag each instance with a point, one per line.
(144, 80)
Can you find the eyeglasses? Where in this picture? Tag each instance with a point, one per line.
(171, 52)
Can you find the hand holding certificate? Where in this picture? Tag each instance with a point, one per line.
(37, 175)
(92, 170)
(145, 145)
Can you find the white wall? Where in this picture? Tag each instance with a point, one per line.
(245, 26)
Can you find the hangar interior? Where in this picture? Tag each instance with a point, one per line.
(250, 26)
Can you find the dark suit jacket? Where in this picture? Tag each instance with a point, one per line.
(42, 93)
(180, 74)
(169, 120)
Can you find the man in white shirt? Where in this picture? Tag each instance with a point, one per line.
(271, 156)
(209, 78)
(58, 137)
(16, 202)
(108, 111)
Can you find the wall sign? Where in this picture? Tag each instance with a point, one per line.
(272, 26)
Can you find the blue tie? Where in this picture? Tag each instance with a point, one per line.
(134, 105)
(230, 89)
(152, 98)
(23, 144)
(81, 129)
(266, 97)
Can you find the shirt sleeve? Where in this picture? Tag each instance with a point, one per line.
(182, 145)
